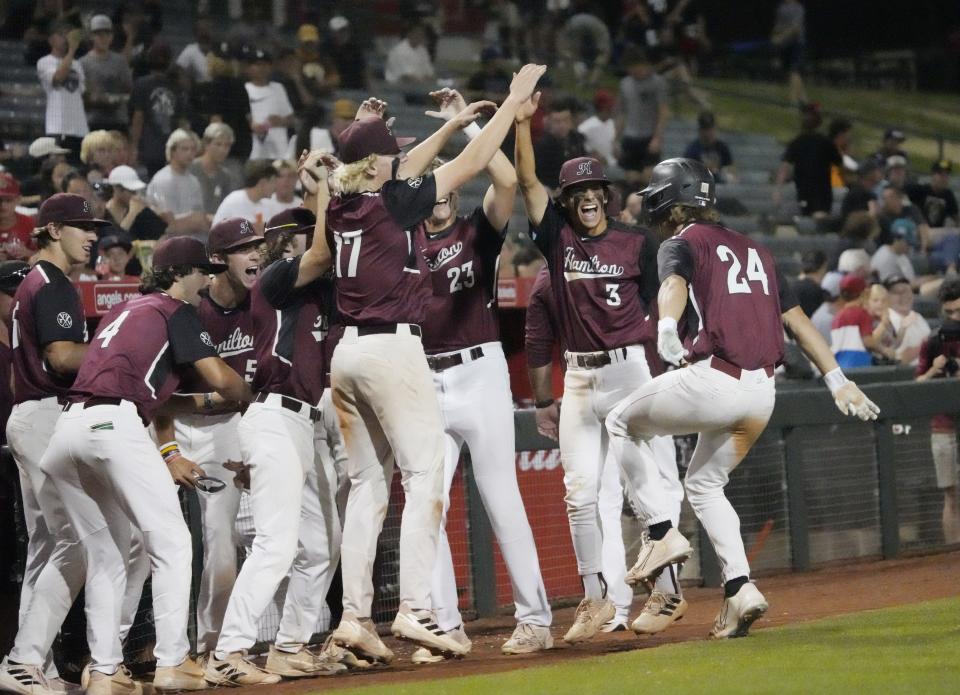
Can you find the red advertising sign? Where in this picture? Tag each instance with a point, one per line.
(100, 297)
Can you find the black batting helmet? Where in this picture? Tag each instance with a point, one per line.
(678, 181)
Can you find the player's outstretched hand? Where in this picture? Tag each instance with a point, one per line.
(241, 477)
(184, 471)
(548, 421)
(668, 342)
(310, 169)
(852, 401)
(525, 81)
(450, 103)
(528, 108)
(371, 108)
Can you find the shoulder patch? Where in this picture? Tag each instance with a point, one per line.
(64, 319)
(205, 339)
(415, 183)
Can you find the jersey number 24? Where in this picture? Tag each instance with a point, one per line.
(755, 273)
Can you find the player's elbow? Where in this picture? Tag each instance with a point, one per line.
(61, 357)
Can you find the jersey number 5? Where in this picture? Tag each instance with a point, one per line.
(755, 272)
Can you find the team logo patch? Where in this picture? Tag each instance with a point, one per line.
(585, 168)
(205, 339)
(86, 207)
(64, 319)
(415, 183)
(246, 228)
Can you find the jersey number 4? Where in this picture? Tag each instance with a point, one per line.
(755, 272)
(109, 331)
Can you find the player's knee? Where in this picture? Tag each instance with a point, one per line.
(700, 489)
(581, 497)
(616, 423)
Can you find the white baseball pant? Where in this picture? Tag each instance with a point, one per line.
(332, 453)
(109, 474)
(210, 441)
(729, 414)
(476, 408)
(589, 394)
(383, 393)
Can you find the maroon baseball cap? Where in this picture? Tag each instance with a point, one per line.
(9, 187)
(66, 208)
(184, 250)
(296, 220)
(581, 170)
(230, 233)
(369, 136)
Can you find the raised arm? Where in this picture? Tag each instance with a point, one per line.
(535, 196)
(313, 169)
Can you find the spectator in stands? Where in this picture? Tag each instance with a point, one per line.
(860, 194)
(63, 80)
(560, 141)
(50, 177)
(909, 327)
(215, 178)
(853, 336)
(939, 355)
(892, 258)
(309, 74)
(409, 62)
(224, 99)
(859, 232)
(16, 230)
(807, 285)
(193, 58)
(583, 45)
(642, 116)
(935, 199)
(347, 54)
(632, 207)
(895, 209)
(158, 107)
(789, 38)
(109, 80)
(600, 130)
(317, 135)
(174, 192)
(822, 318)
(896, 174)
(115, 258)
(839, 131)
(252, 202)
(711, 150)
(270, 110)
(98, 151)
(491, 81)
(809, 157)
(878, 306)
(893, 138)
(285, 190)
(128, 210)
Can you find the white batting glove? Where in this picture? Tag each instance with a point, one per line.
(668, 342)
(849, 398)
(548, 421)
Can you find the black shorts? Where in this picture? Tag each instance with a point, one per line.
(635, 154)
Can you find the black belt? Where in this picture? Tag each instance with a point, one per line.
(290, 404)
(439, 363)
(593, 360)
(380, 328)
(103, 400)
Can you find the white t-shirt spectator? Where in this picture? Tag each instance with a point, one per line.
(915, 330)
(238, 204)
(404, 62)
(277, 207)
(194, 62)
(887, 264)
(65, 113)
(180, 194)
(269, 100)
(600, 136)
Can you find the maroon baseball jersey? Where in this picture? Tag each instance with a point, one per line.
(231, 331)
(603, 286)
(47, 309)
(737, 295)
(541, 328)
(381, 274)
(140, 351)
(289, 329)
(463, 270)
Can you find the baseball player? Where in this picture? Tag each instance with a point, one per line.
(289, 304)
(603, 275)
(461, 339)
(722, 292)
(109, 473)
(382, 387)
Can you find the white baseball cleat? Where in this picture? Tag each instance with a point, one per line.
(739, 612)
(424, 655)
(655, 555)
(527, 639)
(359, 635)
(420, 626)
(236, 670)
(591, 614)
(300, 664)
(186, 676)
(58, 685)
(659, 612)
(333, 653)
(120, 683)
(23, 679)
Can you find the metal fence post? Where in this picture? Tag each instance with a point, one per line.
(482, 568)
(887, 486)
(796, 502)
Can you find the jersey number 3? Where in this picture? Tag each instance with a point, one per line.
(755, 272)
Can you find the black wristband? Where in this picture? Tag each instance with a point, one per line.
(544, 404)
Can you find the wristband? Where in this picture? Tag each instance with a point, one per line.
(834, 379)
(471, 131)
(667, 324)
(544, 404)
(208, 401)
(170, 451)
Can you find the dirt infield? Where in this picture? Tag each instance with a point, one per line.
(793, 598)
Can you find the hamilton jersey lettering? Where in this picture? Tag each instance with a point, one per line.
(231, 331)
(604, 286)
(463, 274)
(47, 309)
(382, 276)
(237, 344)
(141, 350)
(737, 295)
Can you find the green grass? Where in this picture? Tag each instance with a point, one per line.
(910, 649)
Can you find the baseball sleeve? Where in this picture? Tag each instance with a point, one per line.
(786, 293)
(546, 234)
(410, 201)
(59, 315)
(278, 282)
(539, 337)
(189, 341)
(675, 258)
